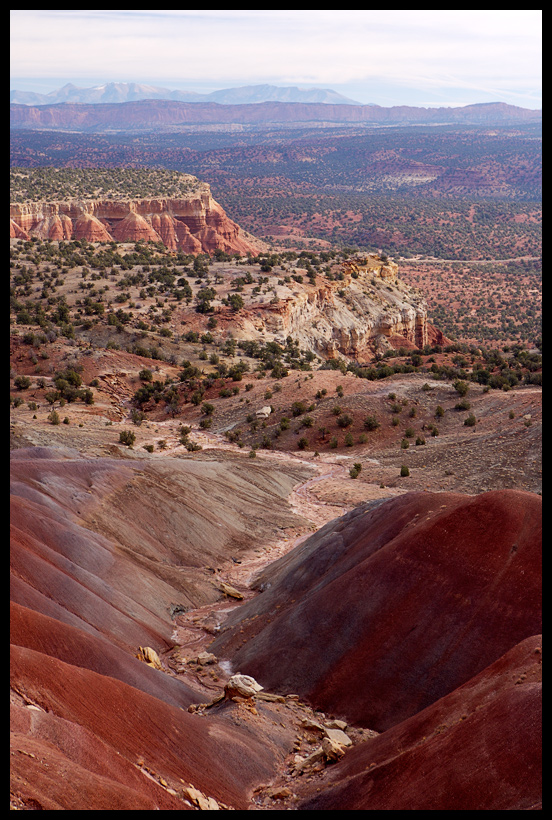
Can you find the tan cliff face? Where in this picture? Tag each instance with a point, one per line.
(352, 318)
(194, 225)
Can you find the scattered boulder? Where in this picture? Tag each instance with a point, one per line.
(243, 686)
(278, 792)
(333, 750)
(338, 736)
(230, 590)
(149, 656)
(312, 726)
(205, 658)
(264, 412)
(200, 800)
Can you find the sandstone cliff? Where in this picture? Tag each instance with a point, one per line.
(367, 311)
(193, 224)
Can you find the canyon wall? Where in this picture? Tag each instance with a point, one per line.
(197, 224)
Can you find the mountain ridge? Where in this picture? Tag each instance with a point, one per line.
(132, 92)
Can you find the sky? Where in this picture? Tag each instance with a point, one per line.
(405, 57)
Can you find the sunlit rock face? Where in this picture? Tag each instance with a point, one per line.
(366, 311)
(197, 224)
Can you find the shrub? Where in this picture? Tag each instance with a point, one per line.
(371, 423)
(53, 417)
(127, 437)
(409, 432)
(353, 472)
(137, 417)
(148, 447)
(462, 405)
(404, 444)
(470, 420)
(22, 382)
(439, 412)
(349, 441)
(461, 387)
(303, 443)
(344, 421)
(193, 446)
(404, 471)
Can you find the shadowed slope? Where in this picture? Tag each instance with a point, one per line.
(478, 748)
(394, 605)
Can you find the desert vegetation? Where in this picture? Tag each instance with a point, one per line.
(54, 183)
(458, 194)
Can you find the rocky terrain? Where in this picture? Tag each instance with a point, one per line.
(104, 612)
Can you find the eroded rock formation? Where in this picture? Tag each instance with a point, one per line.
(194, 225)
(367, 311)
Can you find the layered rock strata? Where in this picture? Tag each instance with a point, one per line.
(369, 310)
(194, 225)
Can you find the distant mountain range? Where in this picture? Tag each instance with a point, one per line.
(132, 92)
(155, 115)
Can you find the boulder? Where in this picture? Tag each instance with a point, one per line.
(149, 656)
(242, 686)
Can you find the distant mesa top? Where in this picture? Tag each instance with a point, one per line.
(151, 113)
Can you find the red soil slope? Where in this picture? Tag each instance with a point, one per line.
(478, 748)
(93, 727)
(389, 616)
(94, 732)
(393, 606)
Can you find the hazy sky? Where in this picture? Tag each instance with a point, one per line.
(386, 57)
